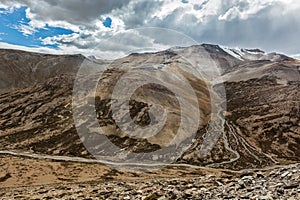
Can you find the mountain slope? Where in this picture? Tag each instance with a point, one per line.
(19, 69)
(262, 124)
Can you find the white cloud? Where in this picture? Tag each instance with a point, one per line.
(244, 9)
(4, 45)
(26, 30)
(9, 6)
(296, 56)
(111, 48)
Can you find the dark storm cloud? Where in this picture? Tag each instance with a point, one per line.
(73, 11)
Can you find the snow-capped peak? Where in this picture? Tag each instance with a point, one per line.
(252, 54)
(234, 52)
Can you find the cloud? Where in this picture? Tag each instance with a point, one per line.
(75, 12)
(4, 45)
(74, 15)
(243, 23)
(9, 6)
(297, 56)
(26, 30)
(248, 8)
(273, 25)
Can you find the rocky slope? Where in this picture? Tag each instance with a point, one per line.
(262, 117)
(262, 120)
(19, 69)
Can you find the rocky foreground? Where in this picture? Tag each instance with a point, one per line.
(276, 183)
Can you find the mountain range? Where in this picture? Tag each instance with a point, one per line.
(261, 111)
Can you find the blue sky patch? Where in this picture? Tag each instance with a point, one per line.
(107, 22)
(10, 25)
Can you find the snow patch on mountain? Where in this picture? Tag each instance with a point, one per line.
(233, 52)
(252, 54)
(244, 54)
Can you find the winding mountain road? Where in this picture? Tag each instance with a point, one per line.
(94, 161)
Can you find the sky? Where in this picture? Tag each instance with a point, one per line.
(112, 28)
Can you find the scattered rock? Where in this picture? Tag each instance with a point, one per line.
(5, 177)
(272, 186)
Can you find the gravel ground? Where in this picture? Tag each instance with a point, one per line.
(279, 183)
